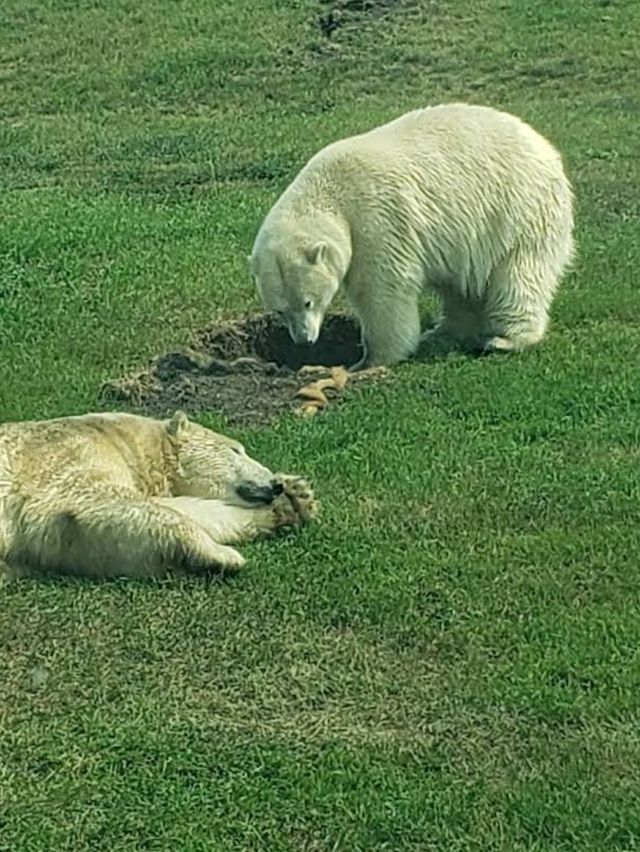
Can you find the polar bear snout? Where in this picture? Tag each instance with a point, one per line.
(254, 492)
(301, 338)
(304, 327)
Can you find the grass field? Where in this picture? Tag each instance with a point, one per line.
(450, 660)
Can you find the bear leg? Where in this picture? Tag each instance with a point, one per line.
(228, 524)
(390, 328)
(108, 536)
(519, 294)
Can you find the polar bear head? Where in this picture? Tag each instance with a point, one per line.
(298, 268)
(212, 466)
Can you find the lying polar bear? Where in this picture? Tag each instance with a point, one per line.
(107, 495)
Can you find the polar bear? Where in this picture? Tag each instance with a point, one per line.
(106, 495)
(465, 199)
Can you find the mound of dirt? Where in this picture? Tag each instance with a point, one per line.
(250, 371)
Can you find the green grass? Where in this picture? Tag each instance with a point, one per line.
(449, 661)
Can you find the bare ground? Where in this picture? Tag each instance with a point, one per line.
(246, 369)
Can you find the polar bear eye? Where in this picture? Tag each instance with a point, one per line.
(308, 303)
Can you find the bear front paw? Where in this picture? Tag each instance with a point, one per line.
(297, 502)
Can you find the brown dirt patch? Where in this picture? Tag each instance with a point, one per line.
(249, 370)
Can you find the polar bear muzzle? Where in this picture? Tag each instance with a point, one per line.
(304, 326)
(253, 492)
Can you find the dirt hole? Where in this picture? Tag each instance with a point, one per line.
(248, 370)
(267, 339)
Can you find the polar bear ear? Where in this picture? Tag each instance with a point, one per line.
(178, 425)
(317, 253)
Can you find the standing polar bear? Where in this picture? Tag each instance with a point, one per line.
(108, 495)
(465, 199)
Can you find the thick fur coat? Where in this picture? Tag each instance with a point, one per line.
(107, 495)
(465, 199)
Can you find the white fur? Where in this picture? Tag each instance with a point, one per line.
(466, 199)
(121, 495)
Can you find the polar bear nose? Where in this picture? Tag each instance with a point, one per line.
(253, 492)
(305, 338)
(299, 337)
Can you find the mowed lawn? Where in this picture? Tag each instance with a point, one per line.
(450, 659)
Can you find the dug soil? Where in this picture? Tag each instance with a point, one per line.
(247, 370)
